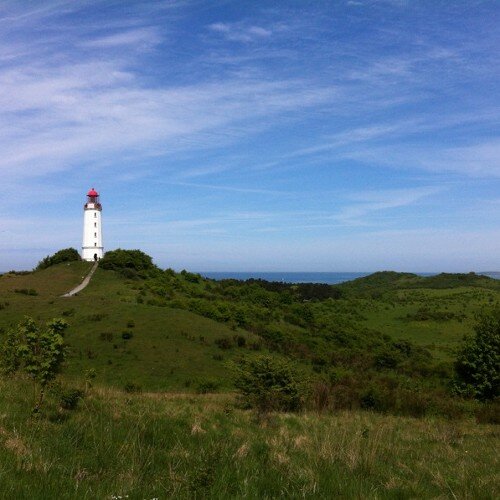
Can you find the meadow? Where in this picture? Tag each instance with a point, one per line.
(159, 445)
(160, 416)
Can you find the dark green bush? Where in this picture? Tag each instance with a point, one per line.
(70, 398)
(223, 343)
(26, 291)
(478, 363)
(65, 255)
(131, 388)
(130, 263)
(266, 383)
(207, 386)
(96, 317)
(127, 335)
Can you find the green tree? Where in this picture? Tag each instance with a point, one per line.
(130, 263)
(478, 363)
(65, 255)
(267, 383)
(37, 351)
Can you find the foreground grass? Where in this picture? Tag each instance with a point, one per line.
(188, 446)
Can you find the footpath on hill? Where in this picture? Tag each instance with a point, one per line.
(84, 283)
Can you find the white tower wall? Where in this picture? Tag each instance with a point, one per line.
(92, 232)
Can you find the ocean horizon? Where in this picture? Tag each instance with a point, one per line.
(329, 278)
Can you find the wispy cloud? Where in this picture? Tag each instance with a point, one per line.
(233, 126)
(137, 38)
(238, 32)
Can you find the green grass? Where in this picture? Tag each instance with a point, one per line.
(441, 338)
(169, 441)
(170, 349)
(192, 446)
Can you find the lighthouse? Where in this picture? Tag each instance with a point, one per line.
(92, 248)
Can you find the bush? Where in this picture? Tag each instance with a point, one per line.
(96, 317)
(223, 343)
(65, 255)
(26, 291)
(131, 388)
(130, 263)
(207, 386)
(69, 399)
(478, 363)
(266, 383)
(127, 335)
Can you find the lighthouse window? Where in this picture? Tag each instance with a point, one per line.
(95, 244)
(95, 224)
(95, 215)
(95, 235)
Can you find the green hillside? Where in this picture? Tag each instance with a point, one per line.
(169, 349)
(161, 417)
(173, 331)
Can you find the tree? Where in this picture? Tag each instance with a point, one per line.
(478, 363)
(65, 255)
(267, 383)
(39, 352)
(130, 263)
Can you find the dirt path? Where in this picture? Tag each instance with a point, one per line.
(84, 283)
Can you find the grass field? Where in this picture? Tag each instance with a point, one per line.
(202, 446)
(169, 349)
(144, 431)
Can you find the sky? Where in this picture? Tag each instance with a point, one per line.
(349, 135)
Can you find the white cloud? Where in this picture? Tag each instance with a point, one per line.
(239, 32)
(137, 38)
(476, 160)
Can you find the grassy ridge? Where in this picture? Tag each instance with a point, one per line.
(175, 330)
(172, 332)
(155, 446)
(169, 349)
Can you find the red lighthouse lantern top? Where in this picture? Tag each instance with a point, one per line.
(93, 200)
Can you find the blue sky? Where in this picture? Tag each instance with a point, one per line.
(353, 135)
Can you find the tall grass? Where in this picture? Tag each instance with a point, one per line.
(202, 446)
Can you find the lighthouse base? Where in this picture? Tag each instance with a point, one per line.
(91, 254)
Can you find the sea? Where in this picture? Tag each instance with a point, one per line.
(298, 277)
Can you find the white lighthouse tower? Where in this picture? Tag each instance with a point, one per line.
(92, 248)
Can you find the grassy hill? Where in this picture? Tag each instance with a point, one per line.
(169, 349)
(373, 353)
(175, 330)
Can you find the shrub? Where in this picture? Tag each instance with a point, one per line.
(223, 343)
(69, 399)
(266, 383)
(65, 255)
(130, 263)
(38, 351)
(207, 386)
(478, 363)
(96, 317)
(131, 388)
(127, 335)
(26, 291)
